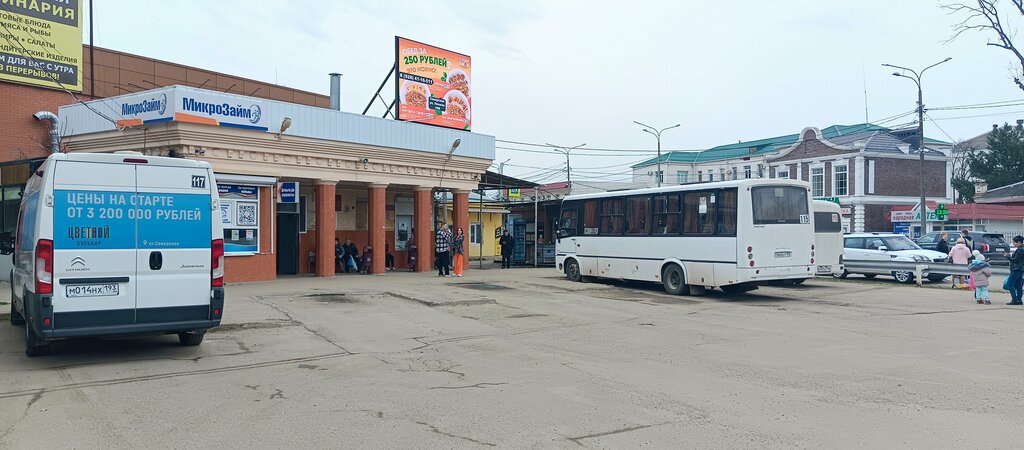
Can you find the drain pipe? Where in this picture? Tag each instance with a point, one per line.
(54, 133)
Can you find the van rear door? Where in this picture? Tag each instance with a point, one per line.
(174, 207)
(94, 244)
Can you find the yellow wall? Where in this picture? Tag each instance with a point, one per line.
(491, 221)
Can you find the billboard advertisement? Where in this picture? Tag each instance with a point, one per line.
(42, 43)
(433, 85)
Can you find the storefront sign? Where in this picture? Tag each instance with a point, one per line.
(239, 216)
(432, 85)
(845, 210)
(828, 199)
(912, 216)
(288, 192)
(192, 106)
(43, 44)
(514, 193)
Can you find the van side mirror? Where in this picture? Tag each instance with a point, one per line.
(883, 248)
(6, 243)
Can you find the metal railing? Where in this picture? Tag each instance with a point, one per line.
(919, 269)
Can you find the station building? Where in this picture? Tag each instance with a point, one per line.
(293, 173)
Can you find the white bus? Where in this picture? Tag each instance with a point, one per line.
(828, 238)
(733, 235)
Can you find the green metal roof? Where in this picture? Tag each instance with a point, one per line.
(760, 146)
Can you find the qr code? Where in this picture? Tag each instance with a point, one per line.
(246, 214)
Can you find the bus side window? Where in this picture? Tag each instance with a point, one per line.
(638, 215)
(698, 213)
(666, 214)
(590, 224)
(612, 217)
(726, 213)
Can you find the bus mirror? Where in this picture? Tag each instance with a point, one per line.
(6, 243)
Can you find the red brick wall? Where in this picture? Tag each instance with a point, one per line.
(876, 218)
(259, 267)
(21, 136)
(901, 177)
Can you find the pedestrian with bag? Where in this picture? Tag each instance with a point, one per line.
(507, 243)
(1013, 282)
(443, 246)
(961, 255)
(351, 256)
(458, 251)
(981, 271)
(339, 254)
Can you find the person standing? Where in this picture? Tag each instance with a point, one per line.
(1016, 271)
(389, 259)
(965, 234)
(351, 256)
(943, 245)
(960, 255)
(339, 255)
(981, 271)
(506, 243)
(458, 251)
(442, 245)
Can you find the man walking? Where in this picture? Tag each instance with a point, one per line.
(506, 243)
(443, 246)
(1016, 271)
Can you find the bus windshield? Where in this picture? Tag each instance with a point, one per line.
(779, 205)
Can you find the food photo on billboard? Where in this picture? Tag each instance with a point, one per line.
(433, 86)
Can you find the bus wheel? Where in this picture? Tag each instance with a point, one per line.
(672, 279)
(572, 270)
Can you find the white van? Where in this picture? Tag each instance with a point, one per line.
(828, 238)
(117, 244)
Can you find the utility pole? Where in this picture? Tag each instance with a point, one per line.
(565, 150)
(657, 134)
(920, 132)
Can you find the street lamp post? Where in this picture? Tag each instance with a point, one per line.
(560, 149)
(657, 134)
(920, 130)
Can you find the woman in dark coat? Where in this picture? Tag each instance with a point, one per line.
(943, 245)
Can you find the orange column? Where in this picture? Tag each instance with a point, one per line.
(377, 200)
(325, 191)
(423, 232)
(460, 211)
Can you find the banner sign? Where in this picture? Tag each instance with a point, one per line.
(288, 192)
(433, 85)
(42, 43)
(193, 106)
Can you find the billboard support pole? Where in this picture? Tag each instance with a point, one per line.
(390, 107)
(382, 84)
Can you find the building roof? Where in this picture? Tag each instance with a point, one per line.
(840, 134)
(1009, 193)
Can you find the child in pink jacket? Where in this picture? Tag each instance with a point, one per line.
(961, 255)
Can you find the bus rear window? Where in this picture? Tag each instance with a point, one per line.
(827, 222)
(779, 205)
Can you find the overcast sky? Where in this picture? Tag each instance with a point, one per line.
(572, 72)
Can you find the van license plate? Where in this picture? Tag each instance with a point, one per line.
(93, 290)
(824, 269)
(783, 254)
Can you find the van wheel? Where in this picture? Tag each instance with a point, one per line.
(191, 338)
(672, 279)
(33, 347)
(572, 270)
(16, 318)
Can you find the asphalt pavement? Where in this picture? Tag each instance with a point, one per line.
(523, 358)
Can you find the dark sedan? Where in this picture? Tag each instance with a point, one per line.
(992, 245)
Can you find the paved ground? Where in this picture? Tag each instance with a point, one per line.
(522, 358)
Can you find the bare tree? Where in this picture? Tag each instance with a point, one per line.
(988, 18)
(963, 181)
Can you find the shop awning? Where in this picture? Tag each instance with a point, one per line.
(493, 180)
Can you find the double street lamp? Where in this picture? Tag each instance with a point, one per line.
(657, 134)
(566, 150)
(916, 78)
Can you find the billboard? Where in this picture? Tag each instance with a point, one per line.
(433, 85)
(42, 43)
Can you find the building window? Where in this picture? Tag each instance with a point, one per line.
(475, 231)
(817, 181)
(722, 173)
(700, 175)
(711, 176)
(746, 172)
(840, 180)
(760, 171)
(682, 177)
(782, 172)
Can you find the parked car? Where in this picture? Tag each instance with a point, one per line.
(884, 247)
(992, 245)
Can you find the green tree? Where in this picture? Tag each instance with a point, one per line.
(1003, 163)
